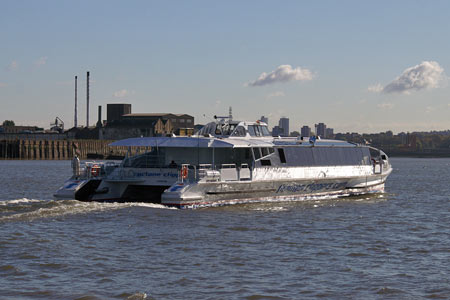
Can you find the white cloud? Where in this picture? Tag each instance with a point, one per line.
(41, 61)
(377, 88)
(283, 73)
(276, 94)
(386, 106)
(426, 75)
(12, 66)
(121, 93)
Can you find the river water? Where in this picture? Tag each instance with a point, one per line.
(388, 246)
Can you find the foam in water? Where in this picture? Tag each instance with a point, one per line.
(138, 296)
(277, 208)
(52, 209)
(19, 201)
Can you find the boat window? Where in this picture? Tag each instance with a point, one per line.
(264, 151)
(282, 156)
(257, 153)
(265, 162)
(257, 130)
(228, 166)
(265, 131)
(207, 129)
(251, 130)
(231, 128)
(218, 130)
(247, 153)
(240, 131)
(271, 150)
(149, 159)
(365, 160)
(374, 153)
(327, 156)
(205, 166)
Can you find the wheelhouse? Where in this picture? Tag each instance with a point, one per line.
(235, 129)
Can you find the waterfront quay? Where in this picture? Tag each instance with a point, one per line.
(55, 147)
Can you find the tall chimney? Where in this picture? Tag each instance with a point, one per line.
(75, 121)
(99, 122)
(87, 100)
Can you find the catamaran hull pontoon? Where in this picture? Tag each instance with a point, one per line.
(204, 194)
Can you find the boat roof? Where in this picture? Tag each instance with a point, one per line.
(213, 142)
(187, 142)
(316, 143)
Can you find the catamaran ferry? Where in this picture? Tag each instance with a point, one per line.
(230, 162)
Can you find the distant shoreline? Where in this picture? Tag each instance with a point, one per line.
(419, 155)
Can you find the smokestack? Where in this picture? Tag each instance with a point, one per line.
(87, 100)
(99, 122)
(75, 121)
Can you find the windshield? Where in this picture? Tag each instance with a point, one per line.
(265, 131)
(251, 130)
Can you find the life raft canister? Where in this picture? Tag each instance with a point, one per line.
(184, 172)
(95, 170)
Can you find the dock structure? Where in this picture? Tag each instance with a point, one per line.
(45, 149)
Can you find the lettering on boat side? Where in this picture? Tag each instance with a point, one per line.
(156, 174)
(312, 187)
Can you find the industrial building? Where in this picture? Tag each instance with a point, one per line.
(115, 111)
(19, 129)
(122, 124)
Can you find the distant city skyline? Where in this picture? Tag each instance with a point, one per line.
(357, 66)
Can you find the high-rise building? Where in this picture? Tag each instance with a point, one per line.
(329, 133)
(321, 129)
(284, 125)
(305, 131)
(265, 120)
(277, 131)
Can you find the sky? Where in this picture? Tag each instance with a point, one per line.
(357, 66)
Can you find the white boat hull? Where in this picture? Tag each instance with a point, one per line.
(203, 194)
(69, 189)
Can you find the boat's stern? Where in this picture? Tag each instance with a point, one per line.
(69, 188)
(180, 195)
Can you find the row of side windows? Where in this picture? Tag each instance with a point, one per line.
(324, 156)
(262, 152)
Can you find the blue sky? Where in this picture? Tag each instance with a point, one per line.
(357, 66)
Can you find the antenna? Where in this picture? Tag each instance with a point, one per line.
(230, 114)
(75, 121)
(87, 100)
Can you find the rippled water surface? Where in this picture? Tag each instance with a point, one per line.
(390, 246)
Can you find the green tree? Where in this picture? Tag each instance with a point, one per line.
(8, 123)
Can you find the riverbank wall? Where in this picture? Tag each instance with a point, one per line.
(54, 149)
